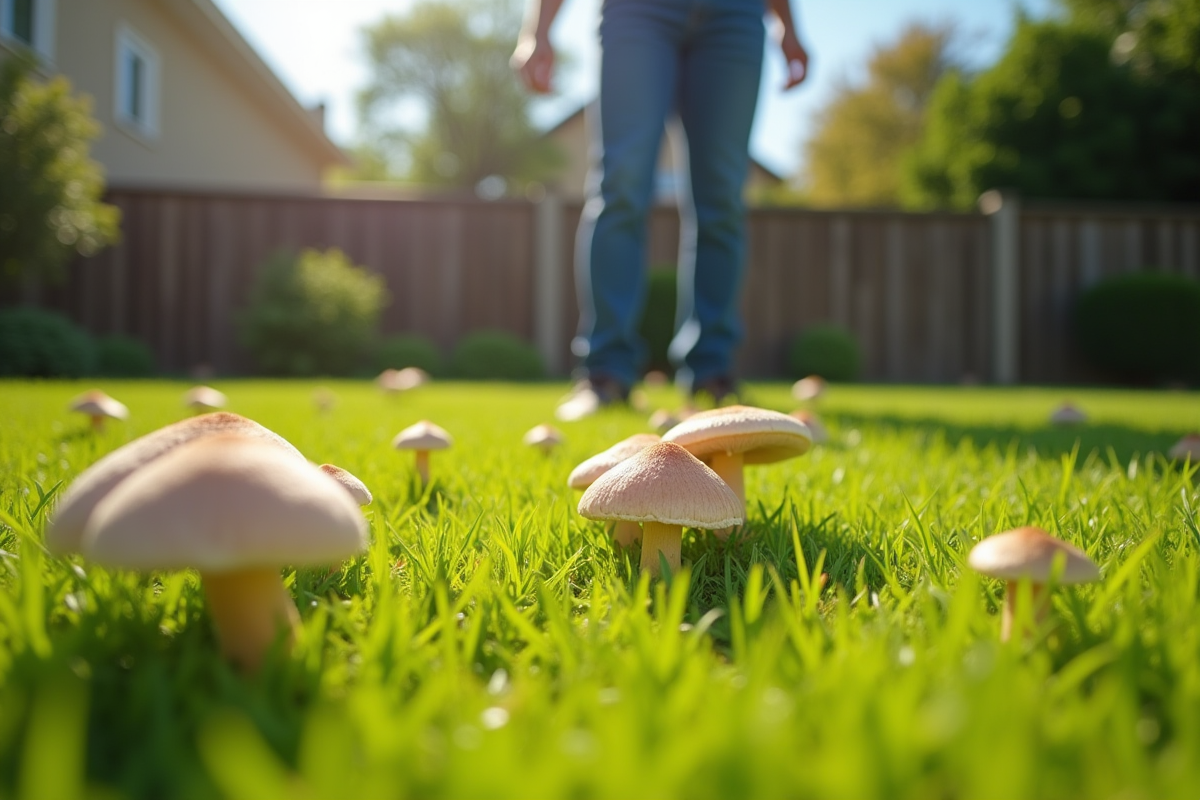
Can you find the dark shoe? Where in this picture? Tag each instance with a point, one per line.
(589, 396)
(722, 390)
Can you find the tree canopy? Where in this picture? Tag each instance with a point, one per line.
(451, 60)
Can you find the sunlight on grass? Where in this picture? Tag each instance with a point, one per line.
(493, 643)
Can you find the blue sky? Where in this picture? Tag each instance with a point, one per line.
(314, 47)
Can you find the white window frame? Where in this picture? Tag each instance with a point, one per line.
(43, 26)
(129, 42)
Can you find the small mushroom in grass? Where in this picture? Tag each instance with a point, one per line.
(203, 398)
(99, 407)
(624, 532)
(730, 437)
(410, 378)
(236, 509)
(813, 423)
(422, 438)
(1187, 448)
(666, 489)
(388, 381)
(348, 481)
(77, 503)
(1029, 554)
(1068, 414)
(809, 388)
(543, 437)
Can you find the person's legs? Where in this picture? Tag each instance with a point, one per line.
(718, 90)
(639, 50)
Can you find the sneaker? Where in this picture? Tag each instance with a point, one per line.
(721, 390)
(589, 396)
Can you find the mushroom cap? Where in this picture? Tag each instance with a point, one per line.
(222, 504)
(809, 388)
(1068, 414)
(1030, 553)
(760, 435)
(813, 423)
(98, 404)
(203, 397)
(1187, 447)
(409, 378)
(663, 483)
(350, 482)
(387, 380)
(90, 487)
(544, 436)
(423, 435)
(588, 471)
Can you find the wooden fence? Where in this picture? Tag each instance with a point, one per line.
(921, 292)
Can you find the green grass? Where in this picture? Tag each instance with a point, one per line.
(491, 643)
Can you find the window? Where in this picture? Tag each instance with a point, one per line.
(30, 22)
(137, 79)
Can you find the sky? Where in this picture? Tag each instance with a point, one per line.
(315, 48)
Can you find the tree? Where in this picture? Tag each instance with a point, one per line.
(854, 156)
(50, 191)
(452, 58)
(1078, 107)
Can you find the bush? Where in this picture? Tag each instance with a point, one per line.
(826, 350)
(408, 350)
(1143, 327)
(312, 314)
(496, 355)
(658, 318)
(41, 344)
(123, 357)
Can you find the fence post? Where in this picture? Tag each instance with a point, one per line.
(1004, 209)
(548, 281)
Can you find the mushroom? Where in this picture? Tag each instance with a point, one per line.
(348, 481)
(1187, 448)
(624, 532)
(1029, 553)
(727, 438)
(236, 509)
(666, 489)
(203, 398)
(66, 526)
(663, 420)
(1068, 414)
(543, 437)
(422, 437)
(809, 388)
(387, 381)
(410, 378)
(813, 423)
(656, 378)
(99, 407)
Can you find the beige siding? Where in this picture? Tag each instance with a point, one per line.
(214, 132)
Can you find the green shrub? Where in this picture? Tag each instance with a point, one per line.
(408, 350)
(1143, 327)
(658, 318)
(123, 357)
(312, 314)
(496, 355)
(826, 350)
(41, 344)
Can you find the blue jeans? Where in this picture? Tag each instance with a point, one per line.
(700, 60)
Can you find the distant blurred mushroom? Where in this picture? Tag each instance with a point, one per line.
(663, 420)
(99, 407)
(203, 398)
(543, 437)
(625, 532)
(809, 388)
(410, 378)
(1068, 414)
(388, 381)
(655, 378)
(1187, 448)
(422, 438)
(1031, 554)
(819, 434)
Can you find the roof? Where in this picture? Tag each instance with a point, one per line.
(214, 31)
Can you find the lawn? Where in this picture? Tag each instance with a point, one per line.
(491, 643)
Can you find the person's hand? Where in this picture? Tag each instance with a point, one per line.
(795, 57)
(534, 62)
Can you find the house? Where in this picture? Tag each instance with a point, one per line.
(572, 136)
(184, 101)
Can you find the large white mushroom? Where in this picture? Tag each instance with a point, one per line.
(585, 474)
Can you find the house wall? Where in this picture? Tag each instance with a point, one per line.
(213, 130)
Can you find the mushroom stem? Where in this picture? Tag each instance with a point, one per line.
(97, 422)
(250, 609)
(659, 537)
(423, 466)
(729, 467)
(625, 532)
(1041, 605)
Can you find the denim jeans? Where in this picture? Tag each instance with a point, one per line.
(699, 60)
